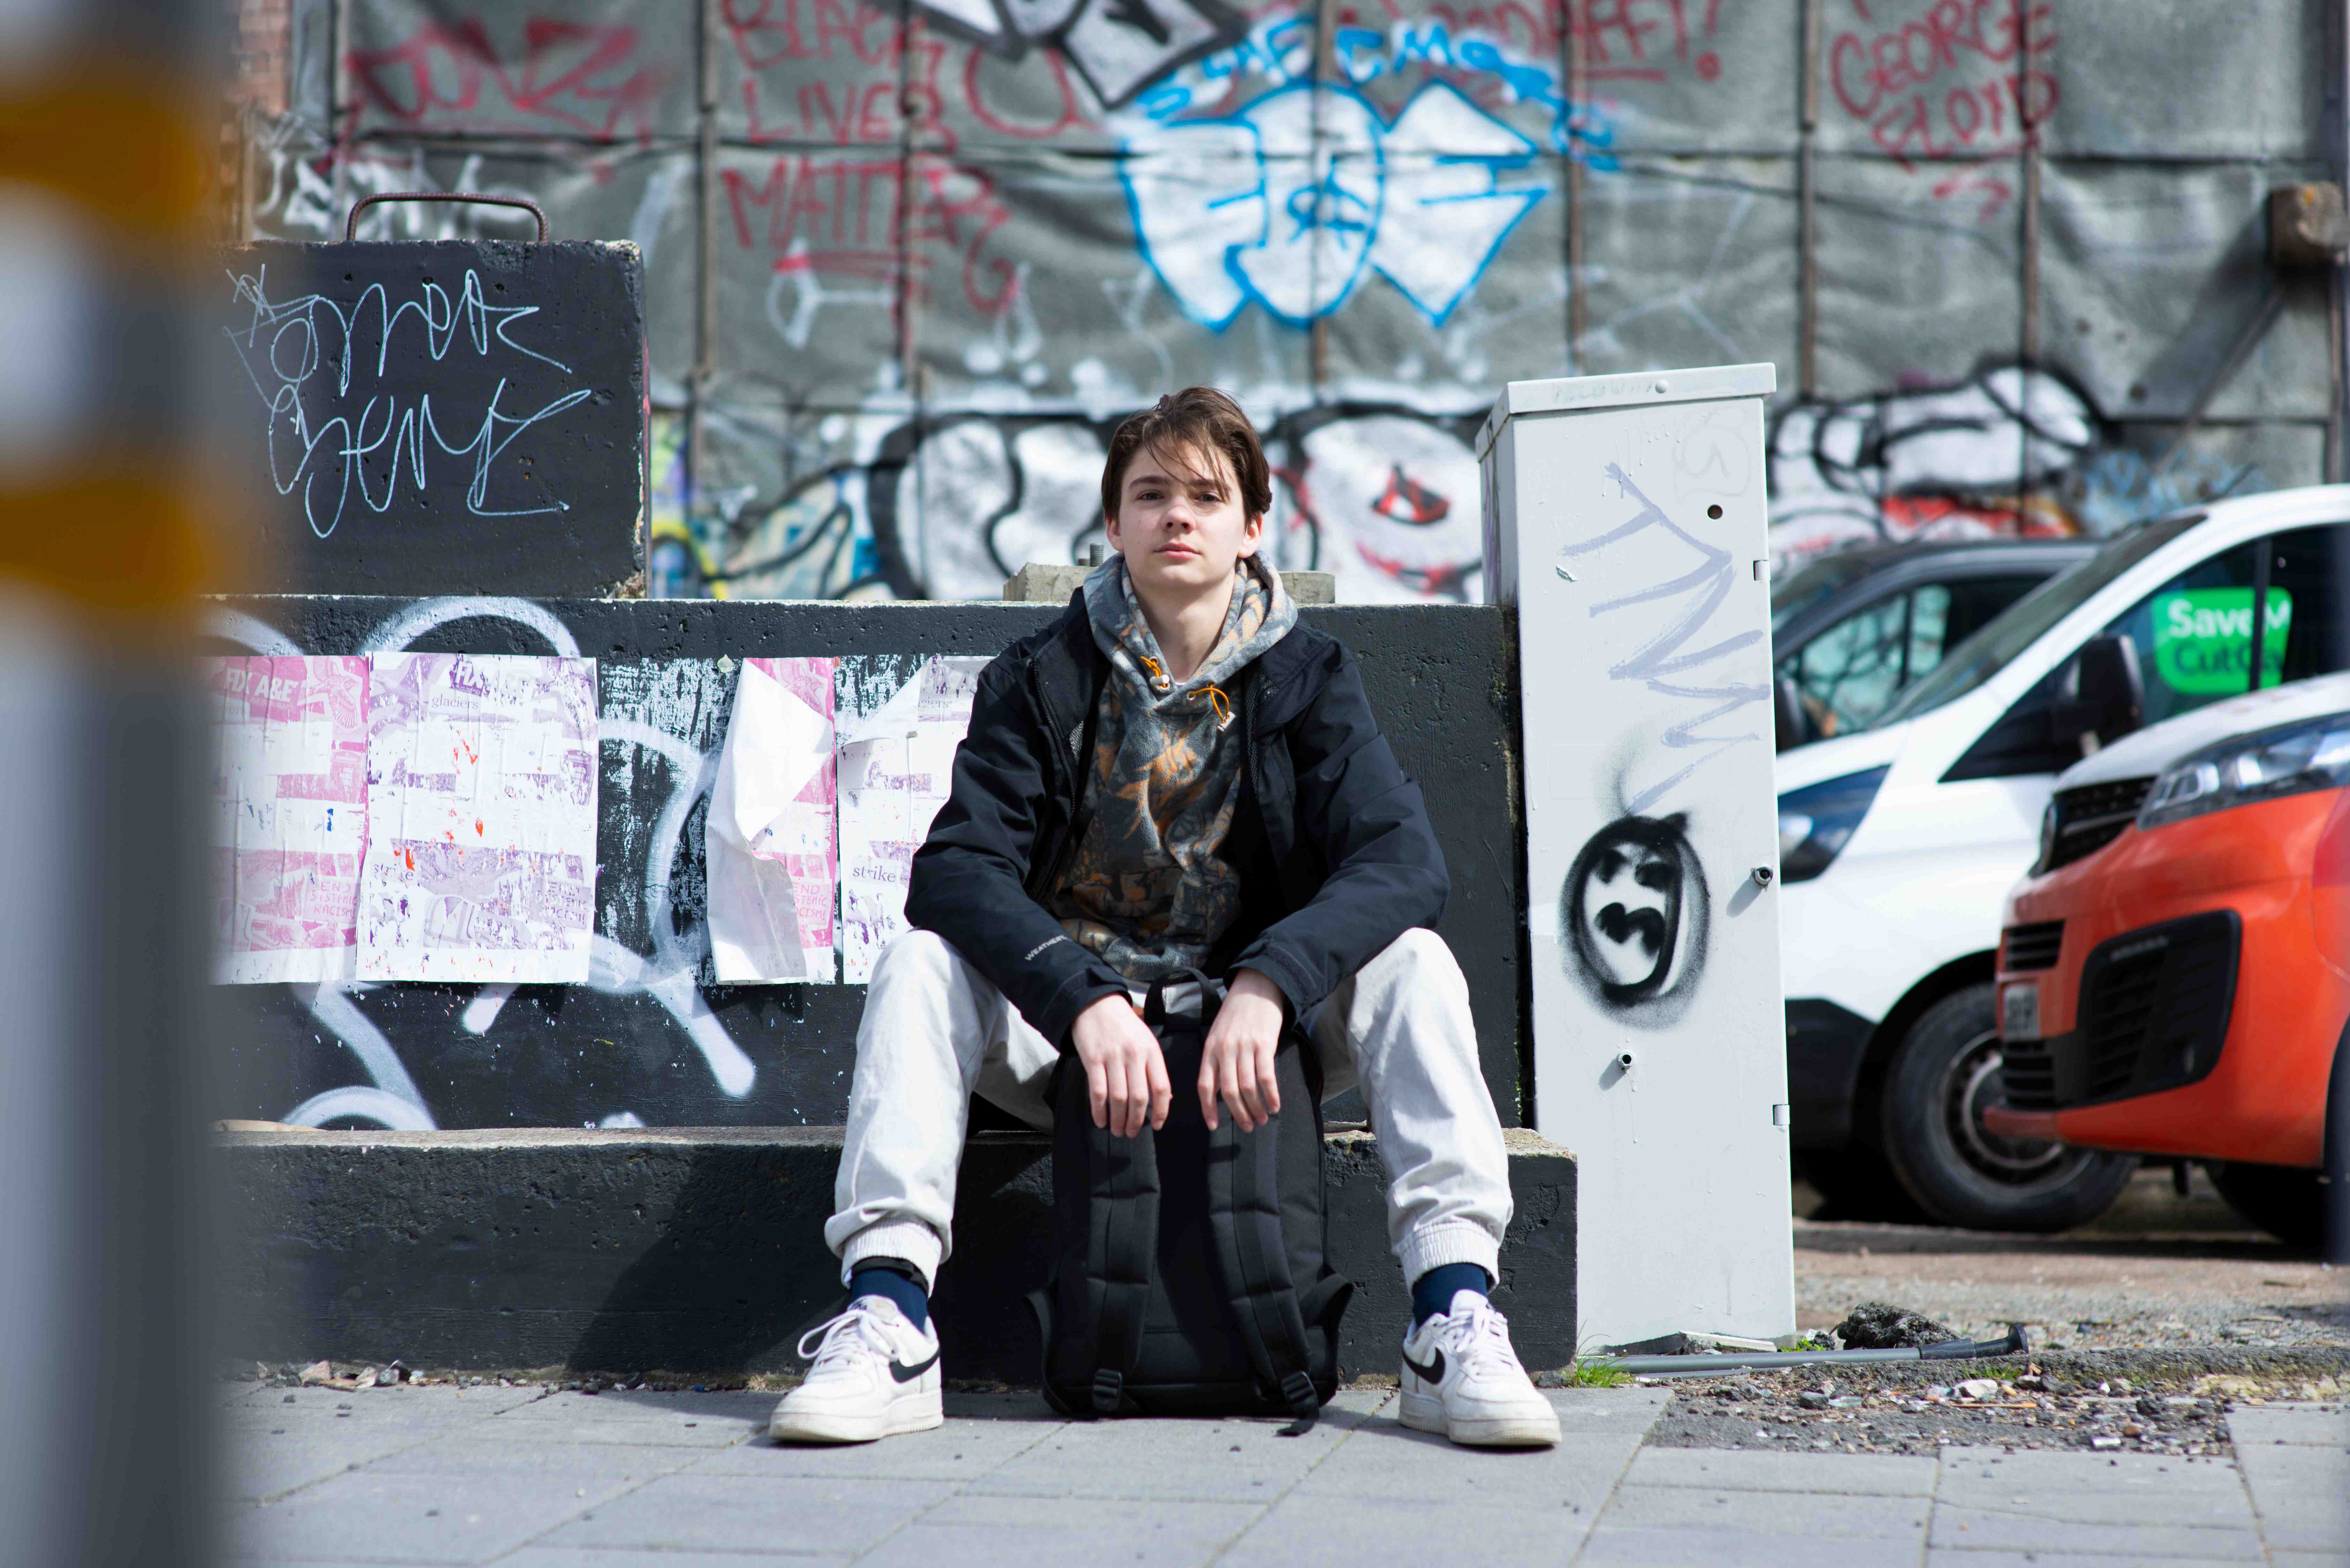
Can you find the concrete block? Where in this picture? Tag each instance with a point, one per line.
(1039, 583)
(701, 1251)
(1440, 678)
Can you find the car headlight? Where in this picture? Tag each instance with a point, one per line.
(1816, 822)
(2290, 760)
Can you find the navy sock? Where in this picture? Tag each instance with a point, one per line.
(1432, 1291)
(895, 1284)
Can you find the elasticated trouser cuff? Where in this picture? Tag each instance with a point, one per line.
(1448, 1242)
(908, 1241)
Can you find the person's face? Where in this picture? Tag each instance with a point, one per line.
(1180, 521)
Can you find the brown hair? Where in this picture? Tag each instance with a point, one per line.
(1203, 420)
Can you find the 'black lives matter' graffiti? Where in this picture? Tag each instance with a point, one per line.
(1635, 909)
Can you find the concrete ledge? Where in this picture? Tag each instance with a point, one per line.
(701, 1250)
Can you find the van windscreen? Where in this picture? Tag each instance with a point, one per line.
(1988, 651)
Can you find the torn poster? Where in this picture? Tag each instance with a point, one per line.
(773, 860)
(290, 824)
(900, 719)
(481, 860)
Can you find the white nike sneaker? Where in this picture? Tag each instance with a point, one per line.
(876, 1375)
(1461, 1377)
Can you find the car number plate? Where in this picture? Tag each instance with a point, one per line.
(2019, 1013)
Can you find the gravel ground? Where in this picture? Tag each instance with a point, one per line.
(2146, 1328)
(2143, 1401)
(2156, 1271)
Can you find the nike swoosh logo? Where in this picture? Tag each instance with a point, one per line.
(905, 1374)
(1431, 1372)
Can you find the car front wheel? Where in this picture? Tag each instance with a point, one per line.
(1944, 1072)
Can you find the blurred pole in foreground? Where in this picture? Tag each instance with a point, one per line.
(106, 116)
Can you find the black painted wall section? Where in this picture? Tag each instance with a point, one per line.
(705, 1252)
(1440, 678)
(456, 416)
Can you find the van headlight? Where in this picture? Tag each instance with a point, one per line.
(1816, 821)
(2293, 759)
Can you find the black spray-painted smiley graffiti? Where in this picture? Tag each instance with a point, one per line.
(1634, 910)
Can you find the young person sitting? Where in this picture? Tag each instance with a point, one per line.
(1177, 773)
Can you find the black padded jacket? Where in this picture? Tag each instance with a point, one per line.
(1331, 839)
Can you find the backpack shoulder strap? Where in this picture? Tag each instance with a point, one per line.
(1244, 1213)
(1121, 1253)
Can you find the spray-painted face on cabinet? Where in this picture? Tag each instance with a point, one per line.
(1634, 909)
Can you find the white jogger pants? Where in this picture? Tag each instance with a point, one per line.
(936, 1031)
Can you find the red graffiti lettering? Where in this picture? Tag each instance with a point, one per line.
(876, 218)
(1900, 79)
(580, 77)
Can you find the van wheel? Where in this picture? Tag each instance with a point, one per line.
(1944, 1075)
(2287, 1202)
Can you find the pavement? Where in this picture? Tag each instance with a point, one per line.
(529, 1477)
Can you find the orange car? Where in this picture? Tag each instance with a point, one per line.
(2174, 974)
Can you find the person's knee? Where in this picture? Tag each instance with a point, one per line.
(925, 954)
(1421, 958)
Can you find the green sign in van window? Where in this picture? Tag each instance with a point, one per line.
(2203, 638)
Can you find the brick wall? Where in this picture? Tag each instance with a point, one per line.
(265, 34)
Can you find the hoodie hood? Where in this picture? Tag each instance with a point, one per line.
(1261, 615)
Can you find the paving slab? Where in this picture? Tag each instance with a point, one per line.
(1758, 1513)
(981, 1433)
(727, 1513)
(1038, 1532)
(1966, 1557)
(695, 1420)
(376, 1517)
(538, 1464)
(2316, 1425)
(1304, 1531)
(1383, 1459)
(2301, 1494)
(1622, 1544)
(624, 1557)
(1886, 1475)
(1232, 1461)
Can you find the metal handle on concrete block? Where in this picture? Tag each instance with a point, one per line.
(351, 224)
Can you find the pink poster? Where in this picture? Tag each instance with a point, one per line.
(289, 793)
(771, 847)
(481, 774)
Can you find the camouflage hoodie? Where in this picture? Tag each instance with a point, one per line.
(1147, 885)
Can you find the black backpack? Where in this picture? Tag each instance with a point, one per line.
(1190, 1273)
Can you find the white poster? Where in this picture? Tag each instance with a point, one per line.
(481, 864)
(900, 721)
(773, 861)
(290, 823)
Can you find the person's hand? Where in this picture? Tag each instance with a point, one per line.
(1126, 1076)
(1237, 1064)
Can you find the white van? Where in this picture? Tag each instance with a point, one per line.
(1898, 843)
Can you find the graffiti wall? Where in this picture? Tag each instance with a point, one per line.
(652, 1036)
(907, 260)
